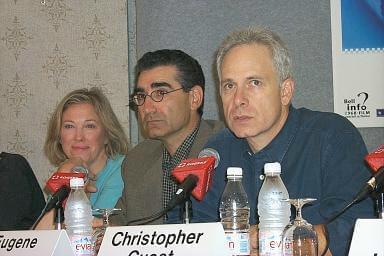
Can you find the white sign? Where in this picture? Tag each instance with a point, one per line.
(358, 61)
(368, 238)
(165, 240)
(35, 243)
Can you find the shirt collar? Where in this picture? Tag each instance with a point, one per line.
(182, 151)
(278, 147)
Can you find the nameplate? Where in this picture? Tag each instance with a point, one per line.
(165, 240)
(368, 238)
(35, 243)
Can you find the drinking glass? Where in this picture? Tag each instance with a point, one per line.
(299, 237)
(100, 231)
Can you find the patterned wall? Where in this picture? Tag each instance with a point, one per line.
(48, 48)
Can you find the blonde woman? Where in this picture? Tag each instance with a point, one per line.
(84, 130)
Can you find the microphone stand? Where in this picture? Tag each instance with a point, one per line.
(59, 217)
(187, 211)
(380, 205)
(379, 201)
(182, 194)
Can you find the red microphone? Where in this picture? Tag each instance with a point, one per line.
(60, 179)
(375, 160)
(201, 167)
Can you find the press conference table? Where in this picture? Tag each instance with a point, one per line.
(161, 240)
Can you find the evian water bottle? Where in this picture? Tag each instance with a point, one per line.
(78, 219)
(273, 212)
(234, 213)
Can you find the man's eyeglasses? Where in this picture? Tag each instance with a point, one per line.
(138, 99)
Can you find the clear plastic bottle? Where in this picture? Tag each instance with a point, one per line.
(234, 213)
(78, 219)
(273, 213)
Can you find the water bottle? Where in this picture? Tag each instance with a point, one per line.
(78, 219)
(273, 213)
(234, 213)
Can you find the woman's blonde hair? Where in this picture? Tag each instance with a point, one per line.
(117, 142)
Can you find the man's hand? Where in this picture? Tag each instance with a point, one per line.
(254, 240)
(322, 239)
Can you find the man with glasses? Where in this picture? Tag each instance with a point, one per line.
(168, 98)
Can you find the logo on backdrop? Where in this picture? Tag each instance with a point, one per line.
(356, 108)
(380, 112)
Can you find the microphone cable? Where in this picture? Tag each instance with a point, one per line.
(371, 185)
(153, 217)
(337, 214)
(146, 220)
(182, 194)
(54, 201)
(43, 212)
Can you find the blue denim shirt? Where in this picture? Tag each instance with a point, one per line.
(322, 156)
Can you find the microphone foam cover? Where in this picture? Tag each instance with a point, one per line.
(210, 152)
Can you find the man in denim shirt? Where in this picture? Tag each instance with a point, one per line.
(321, 154)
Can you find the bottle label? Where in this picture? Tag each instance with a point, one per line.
(270, 243)
(288, 246)
(238, 243)
(82, 245)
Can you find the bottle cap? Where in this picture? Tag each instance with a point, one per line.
(234, 171)
(272, 168)
(76, 182)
